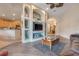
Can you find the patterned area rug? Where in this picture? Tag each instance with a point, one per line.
(56, 48)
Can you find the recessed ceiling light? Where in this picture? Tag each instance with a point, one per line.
(3, 14)
(14, 14)
(47, 8)
(34, 7)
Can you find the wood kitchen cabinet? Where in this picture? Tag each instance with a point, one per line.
(10, 24)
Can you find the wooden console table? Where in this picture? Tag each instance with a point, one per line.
(49, 42)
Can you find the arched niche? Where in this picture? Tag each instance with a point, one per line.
(51, 26)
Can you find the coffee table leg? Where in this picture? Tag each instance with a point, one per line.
(50, 45)
(50, 48)
(42, 42)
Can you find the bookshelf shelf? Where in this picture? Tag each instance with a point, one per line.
(30, 31)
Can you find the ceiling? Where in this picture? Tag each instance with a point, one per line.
(14, 10)
(11, 10)
(57, 12)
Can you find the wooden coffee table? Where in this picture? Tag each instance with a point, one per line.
(49, 42)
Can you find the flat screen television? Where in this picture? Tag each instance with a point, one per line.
(37, 26)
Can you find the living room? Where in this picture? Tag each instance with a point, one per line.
(39, 28)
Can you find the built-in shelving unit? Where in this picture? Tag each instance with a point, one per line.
(33, 23)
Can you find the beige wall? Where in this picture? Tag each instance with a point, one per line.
(69, 22)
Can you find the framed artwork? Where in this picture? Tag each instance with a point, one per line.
(51, 29)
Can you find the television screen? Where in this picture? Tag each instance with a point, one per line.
(37, 26)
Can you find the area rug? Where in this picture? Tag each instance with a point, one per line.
(56, 48)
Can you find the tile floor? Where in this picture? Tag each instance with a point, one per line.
(20, 49)
(27, 49)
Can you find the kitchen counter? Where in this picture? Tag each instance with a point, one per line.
(8, 33)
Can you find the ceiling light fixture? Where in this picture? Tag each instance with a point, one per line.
(47, 8)
(53, 5)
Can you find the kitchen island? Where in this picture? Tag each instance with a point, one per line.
(10, 33)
